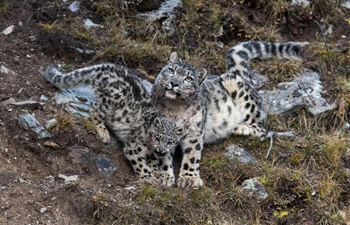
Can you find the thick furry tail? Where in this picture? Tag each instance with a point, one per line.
(79, 77)
(239, 56)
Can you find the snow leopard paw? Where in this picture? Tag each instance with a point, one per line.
(187, 181)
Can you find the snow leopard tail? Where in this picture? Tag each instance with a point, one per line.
(239, 56)
(80, 77)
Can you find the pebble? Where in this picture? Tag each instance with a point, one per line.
(68, 179)
(43, 98)
(235, 152)
(43, 210)
(50, 178)
(3, 69)
(254, 187)
(88, 24)
(74, 6)
(30, 104)
(105, 165)
(32, 38)
(8, 30)
(168, 26)
(51, 123)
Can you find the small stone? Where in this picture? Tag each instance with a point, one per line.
(43, 210)
(43, 98)
(32, 38)
(168, 26)
(68, 179)
(50, 144)
(7, 102)
(88, 24)
(8, 30)
(254, 187)
(3, 69)
(21, 180)
(29, 104)
(50, 178)
(130, 188)
(235, 152)
(74, 6)
(105, 165)
(51, 124)
(3, 187)
(31, 192)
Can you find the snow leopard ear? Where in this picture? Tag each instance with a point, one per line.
(179, 131)
(201, 73)
(174, 57)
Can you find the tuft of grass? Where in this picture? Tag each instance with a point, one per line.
(90, 127)
(65, 121)
(100, 205)
(3, 5)
(278, 70)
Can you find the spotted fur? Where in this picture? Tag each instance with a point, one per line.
(123, 105)
(214, 107)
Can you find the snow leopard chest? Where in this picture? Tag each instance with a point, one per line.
(189, 118)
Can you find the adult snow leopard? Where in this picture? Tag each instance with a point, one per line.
(214, 107)
(123, 105)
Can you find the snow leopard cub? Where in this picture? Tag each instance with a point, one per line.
(216, 106)
(123, 105)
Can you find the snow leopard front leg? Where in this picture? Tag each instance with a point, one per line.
(162, 169)
(137, 157)
(192, 146)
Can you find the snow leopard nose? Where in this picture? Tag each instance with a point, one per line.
(174, 84)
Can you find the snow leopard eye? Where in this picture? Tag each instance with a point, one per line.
(156, 138)
(171, 70)
(189, 79)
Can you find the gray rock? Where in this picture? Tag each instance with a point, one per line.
(78, 100)
(235, 152)
(168, 26)
(27, 121)
(254, 187)
(304, 90)
(105, 165)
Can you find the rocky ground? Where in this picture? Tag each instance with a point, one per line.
(35, 172)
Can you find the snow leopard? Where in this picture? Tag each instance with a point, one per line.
(214, 107)
(123, 105)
